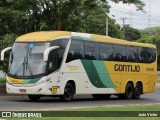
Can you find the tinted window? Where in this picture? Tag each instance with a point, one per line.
(56, 56)
(140, 54)
(110, 52)
(91, 51)
(76, 50)
(153, 55)
(148, 55)
(54, 61)
(105, 51)
(131, 52)
(60, 42)
(119, 53)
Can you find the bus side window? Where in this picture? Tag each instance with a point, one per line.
(105, 51)
(119, 53)
(91, 50)
(137, 54)
(76, 50)
(130, 51)
(153, 55)
(145, 55)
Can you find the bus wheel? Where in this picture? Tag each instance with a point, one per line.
(137, 91)
(34, 97)
(129, 91)
(101, 96)
(68, 93)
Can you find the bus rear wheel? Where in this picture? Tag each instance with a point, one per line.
(34, 97)
(129, 91)
(137, 91)
(101, 96)
(68, 93)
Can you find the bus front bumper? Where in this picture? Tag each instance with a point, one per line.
(41, 89)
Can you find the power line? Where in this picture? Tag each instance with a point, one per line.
(132, 11)
(149, 20)
(135, 14)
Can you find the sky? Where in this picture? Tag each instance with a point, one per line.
(137, 19)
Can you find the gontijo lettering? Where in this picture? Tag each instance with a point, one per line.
(127, 68)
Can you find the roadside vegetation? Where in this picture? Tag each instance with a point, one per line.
(2, 80)
(158, 79)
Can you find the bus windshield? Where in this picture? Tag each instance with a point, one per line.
(27, 59)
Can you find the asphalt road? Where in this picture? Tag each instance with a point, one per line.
(8, 103)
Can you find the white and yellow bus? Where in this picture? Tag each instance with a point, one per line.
(61, 63)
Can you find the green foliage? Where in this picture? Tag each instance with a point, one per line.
(114, 29)
(6, 41)
(152, 31)
(2, 80)
(131, 33)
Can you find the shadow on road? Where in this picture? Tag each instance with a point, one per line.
(75, 100)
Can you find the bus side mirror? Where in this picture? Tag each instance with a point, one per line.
(3, 52)
(47, 51)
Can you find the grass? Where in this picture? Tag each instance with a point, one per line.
(158, 79)
(152, 107)
(143, 108)
(2, 80)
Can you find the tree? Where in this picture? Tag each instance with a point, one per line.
(22, 16)
(18, 17)
(114, 29)
(151, 31)
(131, 33)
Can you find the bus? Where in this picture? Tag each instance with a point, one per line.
(64, 64)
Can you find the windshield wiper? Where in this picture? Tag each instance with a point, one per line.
(24, 64)
(18, 70)
(28, 65)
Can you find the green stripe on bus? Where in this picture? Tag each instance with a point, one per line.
(97, 74)
(92, 73)
(103, 74)
(27, 81)
(82, 38)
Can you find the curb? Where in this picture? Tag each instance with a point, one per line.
(3, 88)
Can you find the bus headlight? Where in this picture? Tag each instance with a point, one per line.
(43, 80)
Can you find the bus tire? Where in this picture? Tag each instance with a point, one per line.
(129, 91)
(68, 93)
(137, 91)
(101, 96)
(34, 97)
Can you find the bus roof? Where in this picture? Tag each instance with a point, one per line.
(42, 36)
(45, 36)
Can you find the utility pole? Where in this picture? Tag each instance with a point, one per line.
(106, 25)
(123, 19)
(149, 15)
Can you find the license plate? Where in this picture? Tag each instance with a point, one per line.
(22, 90)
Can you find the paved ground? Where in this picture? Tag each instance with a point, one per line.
(8, 103)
